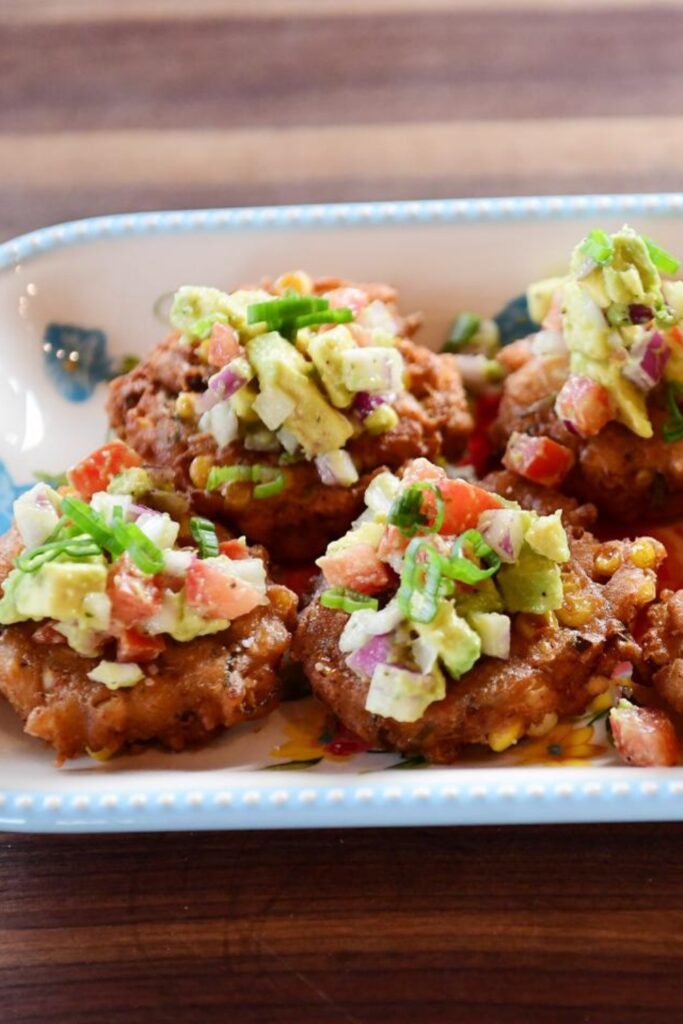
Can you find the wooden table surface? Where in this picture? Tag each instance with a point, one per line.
(111, 105)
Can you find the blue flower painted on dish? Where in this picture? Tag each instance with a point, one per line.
(76, 359)
(514, 321)
(8, 492)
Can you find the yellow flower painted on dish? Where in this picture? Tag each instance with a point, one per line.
(313, 734)
(566, 743)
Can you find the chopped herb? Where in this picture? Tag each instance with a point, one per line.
(287, 315)
(269, 488)
(52, 479)
(269, 479)
(346, 600)
(598, 246)
(204, 533)
(219, 475)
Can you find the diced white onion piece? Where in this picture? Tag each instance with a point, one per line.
(366, 623)
(376, 316)
(288, 440)
(547, 343)
(503, 529)
(372, 369)
(221, 423)
(159, 527)
(249, 570)
(36, 513)
(381, 492)
(478, 371)
(104, 504)
(273, 407)
(176, 563)
(84, 641)
(96, 610)
(336, 469)
(425, 654)
(494, 633)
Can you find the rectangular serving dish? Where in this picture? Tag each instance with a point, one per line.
(101, 287)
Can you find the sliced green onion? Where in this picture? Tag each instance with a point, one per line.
(270, 488)
(88, 521)
(326, 316)
(147, 556)
(461, 568)
(598, 246)
(673, 428)
(219, 475)
(204, 533)
(276, 311)
(74, 548)
(463, 329)
(346, 600)
(270, 479)
(662, 259)
(406, 510)
(418, 595)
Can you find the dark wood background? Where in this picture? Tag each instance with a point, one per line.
(109, 105)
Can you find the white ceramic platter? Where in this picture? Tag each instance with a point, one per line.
(98, 287)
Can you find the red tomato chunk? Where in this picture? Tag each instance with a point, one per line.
(538, 459)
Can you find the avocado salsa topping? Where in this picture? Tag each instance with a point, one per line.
(297, 376)
(619, 321)
(113, 578)
(460, 561)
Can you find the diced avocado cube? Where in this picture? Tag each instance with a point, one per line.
(457, 644)
(482, 598)
(546, 536)
(532, 584)
(57, 590)
(373, 369)
(381, 419)
(325, 350)
(242, 403)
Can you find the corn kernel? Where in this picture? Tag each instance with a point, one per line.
(577, 610)
(296, 280)
(199, 470)
(600, 703)
(547, 723)
(203, 350)
(643, 554)
(607, 562)
(184, 405)
(597, 685)
(501, 739)
(647, 592)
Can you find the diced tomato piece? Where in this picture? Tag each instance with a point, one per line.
(224, 345)
(235, 549)
(538, 458)
(347, 298)
(358, 567)
(216, 594)
(47, 634)
(584, 405)
(644, 737)
(464, 504)
(134, 597)
(422, 469)
(131, 645)
(96, 471)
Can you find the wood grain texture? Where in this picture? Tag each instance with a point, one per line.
(110, 105)
(502, 926)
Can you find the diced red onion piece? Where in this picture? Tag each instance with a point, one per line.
(503, 529)
(229, 380)
(375, 652)
(639, 314)
(647, 363)
(364, 403)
